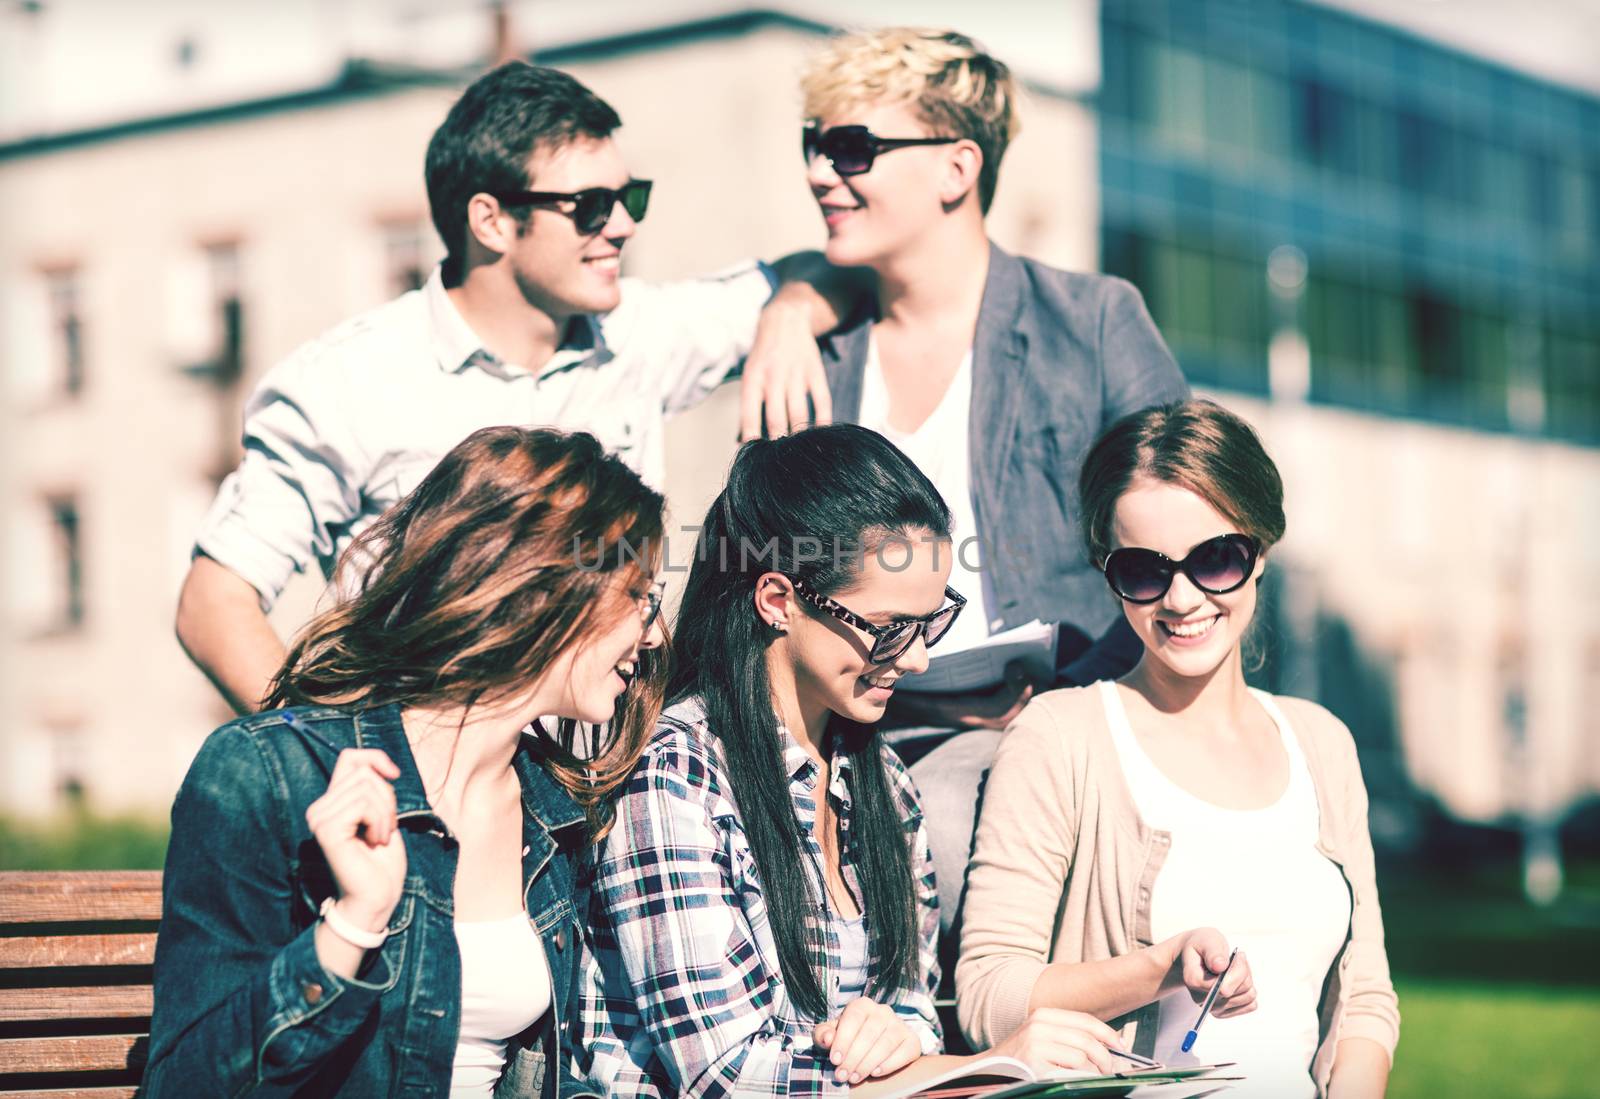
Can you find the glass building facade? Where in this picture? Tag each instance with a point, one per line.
(1448, 210)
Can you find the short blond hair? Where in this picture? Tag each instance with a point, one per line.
(957, 88)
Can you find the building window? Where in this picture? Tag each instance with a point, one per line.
(67, 549)
(405, 267)
(44, 566)
(227, 302)
(66, 329)
(45, 544)
(1436, 325)
(209, 314)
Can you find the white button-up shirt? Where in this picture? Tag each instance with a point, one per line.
(351, 422)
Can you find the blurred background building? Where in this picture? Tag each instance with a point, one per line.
(1425, 361)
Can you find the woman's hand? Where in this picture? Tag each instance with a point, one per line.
(1057, 1038)
(1204, 954)
(867, 1039)
(993, 709)
(357, 826)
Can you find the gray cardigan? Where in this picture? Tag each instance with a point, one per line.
(1058, 357)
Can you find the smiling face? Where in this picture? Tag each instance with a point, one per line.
(586, 680)
(874, 216)
(830, 660)
(1188, 632)
(559, 270)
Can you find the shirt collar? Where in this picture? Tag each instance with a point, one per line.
(456, 346)
(381, 727)
(801, 768)
(547, 801)
(797, 762)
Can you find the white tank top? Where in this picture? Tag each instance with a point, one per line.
(1257, 877)
(852, 973)
(505, 989)
(941, 449)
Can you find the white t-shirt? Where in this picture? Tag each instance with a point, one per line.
(941, 449)
(505, 989)
(1256, 876)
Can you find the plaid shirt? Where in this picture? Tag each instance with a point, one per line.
(686, 996)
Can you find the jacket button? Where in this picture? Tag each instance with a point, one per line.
(561, 940)
(312, 992)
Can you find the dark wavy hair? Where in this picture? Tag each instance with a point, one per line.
(808, 506)
(486, 140)
(517, 545)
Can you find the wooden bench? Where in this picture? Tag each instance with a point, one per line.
(76, 950)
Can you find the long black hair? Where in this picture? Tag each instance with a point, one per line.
(808, 506)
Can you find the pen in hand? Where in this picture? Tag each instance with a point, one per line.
(1142, 1062)
(1194, 1031)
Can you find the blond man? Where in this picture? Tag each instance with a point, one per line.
(994, 372)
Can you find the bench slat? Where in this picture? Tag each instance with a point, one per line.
(61, 951)
(101, 1053)
(70, 896)
(38, 1005)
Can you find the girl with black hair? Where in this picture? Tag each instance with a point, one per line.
(764, 911)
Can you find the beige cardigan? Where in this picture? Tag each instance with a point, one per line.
(1063, 870)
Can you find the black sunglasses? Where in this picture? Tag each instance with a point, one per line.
(1217, 566)
(889, 641)
(852, 149)
(592, 206)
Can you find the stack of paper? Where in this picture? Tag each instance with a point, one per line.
(984, 666)
(1007, 1078)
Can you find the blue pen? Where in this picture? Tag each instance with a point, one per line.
(1194, 1031)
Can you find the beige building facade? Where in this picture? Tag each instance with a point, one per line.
(150, 273)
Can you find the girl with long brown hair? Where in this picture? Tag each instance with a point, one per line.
(1148, 839)
(369, 886)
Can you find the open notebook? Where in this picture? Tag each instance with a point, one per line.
(983, 666)
(1007, 1078)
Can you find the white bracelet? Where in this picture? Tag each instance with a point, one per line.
(349, 932)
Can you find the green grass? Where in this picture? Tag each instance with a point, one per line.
(81, 839)
(1498, 999)
(1466, 1040)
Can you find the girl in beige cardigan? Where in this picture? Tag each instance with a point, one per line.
(1180, 505)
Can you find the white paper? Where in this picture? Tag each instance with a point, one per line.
(984, 666)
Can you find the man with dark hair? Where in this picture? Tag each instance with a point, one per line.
(527, 321)
(485, 141)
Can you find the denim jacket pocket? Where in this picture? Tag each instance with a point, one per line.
(524, 1076)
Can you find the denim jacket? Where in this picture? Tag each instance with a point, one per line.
(242, 1005)
(1057, 358)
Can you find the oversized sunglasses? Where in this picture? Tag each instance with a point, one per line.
(852, 149)
(1216, 566)
(591, 207)
(888, 642)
